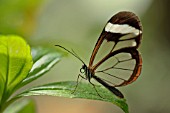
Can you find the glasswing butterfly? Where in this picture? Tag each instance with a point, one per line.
(121, 38)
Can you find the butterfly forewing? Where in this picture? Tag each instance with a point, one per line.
(121, 62)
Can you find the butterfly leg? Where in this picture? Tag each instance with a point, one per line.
(78, 82)
(95, 89)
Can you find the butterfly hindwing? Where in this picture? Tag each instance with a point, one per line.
(121, 67)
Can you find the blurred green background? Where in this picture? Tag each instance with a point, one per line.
(77, 24)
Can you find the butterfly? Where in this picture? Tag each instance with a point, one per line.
(122, 62)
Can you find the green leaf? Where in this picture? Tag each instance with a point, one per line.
(21, 106)
(44, 59)
(86, 91)
(16, 62)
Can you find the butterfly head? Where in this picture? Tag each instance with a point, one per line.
(87, 72)
(83, 68)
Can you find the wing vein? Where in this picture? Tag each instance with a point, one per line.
(112, 75)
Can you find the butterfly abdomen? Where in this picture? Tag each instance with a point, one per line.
(110, 88)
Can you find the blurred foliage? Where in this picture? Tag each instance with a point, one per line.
(18, 16)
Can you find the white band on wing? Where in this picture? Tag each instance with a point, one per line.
(122, 29)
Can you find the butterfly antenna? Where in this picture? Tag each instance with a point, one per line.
(71, 52)
(76, 54)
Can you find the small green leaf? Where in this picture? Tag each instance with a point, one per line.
(86, 91)
(16, 62)
(21, 106)
(44, 59)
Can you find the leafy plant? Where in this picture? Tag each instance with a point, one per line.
(20, 65)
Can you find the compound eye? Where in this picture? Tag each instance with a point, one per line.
(82, 70)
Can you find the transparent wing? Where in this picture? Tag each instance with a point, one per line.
(115, 58)
(123, 26)
(121, 67)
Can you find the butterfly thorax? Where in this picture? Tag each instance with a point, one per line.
(87, 72)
